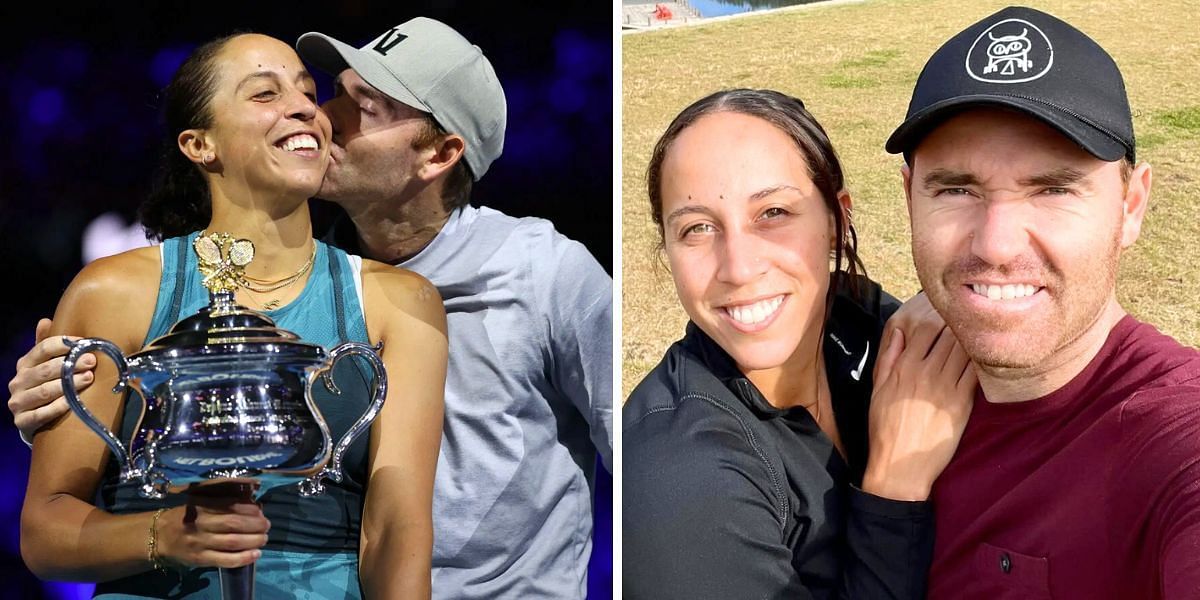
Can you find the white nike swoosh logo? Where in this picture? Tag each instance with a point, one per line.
(857, 373)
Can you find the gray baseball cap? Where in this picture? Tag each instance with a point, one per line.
(429, 66)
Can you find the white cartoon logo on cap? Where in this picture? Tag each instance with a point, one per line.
(1005, 53)
(1012, 51)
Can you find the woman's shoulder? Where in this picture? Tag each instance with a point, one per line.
(394, 278)
(681, 393)
(661, 391)
(679, 437)
(112, 293)
(394, 288)
(129, 272)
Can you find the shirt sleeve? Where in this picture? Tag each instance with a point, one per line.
(581, 343)
(889, 547)
(701, 516)
(1161, 433)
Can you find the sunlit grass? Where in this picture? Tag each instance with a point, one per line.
(854, 66)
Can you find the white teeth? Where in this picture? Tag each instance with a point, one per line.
(759, 313)
(753, 314)
(302, 140)
(1004, 292)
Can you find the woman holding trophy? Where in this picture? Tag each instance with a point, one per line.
(248, 147)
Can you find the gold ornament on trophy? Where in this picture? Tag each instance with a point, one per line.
(223, 260)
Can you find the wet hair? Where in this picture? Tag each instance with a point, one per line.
(790, 116)
(456, 190)
(179, 201)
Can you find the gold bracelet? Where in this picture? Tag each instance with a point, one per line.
(152, 543)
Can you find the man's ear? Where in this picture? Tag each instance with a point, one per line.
(906, 173)
(446, 153)
(1137, 198)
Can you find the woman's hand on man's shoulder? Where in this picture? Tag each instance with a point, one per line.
(924, 388)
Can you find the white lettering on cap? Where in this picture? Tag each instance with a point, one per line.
(1007, 54)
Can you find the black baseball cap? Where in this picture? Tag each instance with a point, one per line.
(1025, 60)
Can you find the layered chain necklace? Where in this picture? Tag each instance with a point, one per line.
(237, 254)
(266, 286)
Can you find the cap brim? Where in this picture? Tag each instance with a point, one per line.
(1096, 142)
(333, 57)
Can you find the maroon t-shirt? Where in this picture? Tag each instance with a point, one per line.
(1090, 492)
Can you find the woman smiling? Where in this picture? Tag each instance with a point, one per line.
(751, 468)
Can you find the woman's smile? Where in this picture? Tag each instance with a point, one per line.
(754, 315)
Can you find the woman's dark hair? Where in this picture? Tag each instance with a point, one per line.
(179, 201)
(790, 116)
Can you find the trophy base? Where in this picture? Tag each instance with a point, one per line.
(232, 473)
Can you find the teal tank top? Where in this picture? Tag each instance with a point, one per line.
(327, 312)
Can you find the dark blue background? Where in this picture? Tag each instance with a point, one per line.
(80, 128)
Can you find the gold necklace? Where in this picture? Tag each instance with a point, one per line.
(223, 261)
(266, 285)
(268, 305)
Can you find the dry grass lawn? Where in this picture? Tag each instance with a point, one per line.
(854, 65)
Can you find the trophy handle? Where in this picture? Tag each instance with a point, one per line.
(78, 349)
(312, 486)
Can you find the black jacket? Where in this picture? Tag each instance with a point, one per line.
(726, 496)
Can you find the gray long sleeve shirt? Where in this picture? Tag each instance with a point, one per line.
(528, 404)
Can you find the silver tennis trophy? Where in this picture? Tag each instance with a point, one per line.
(227, 397)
